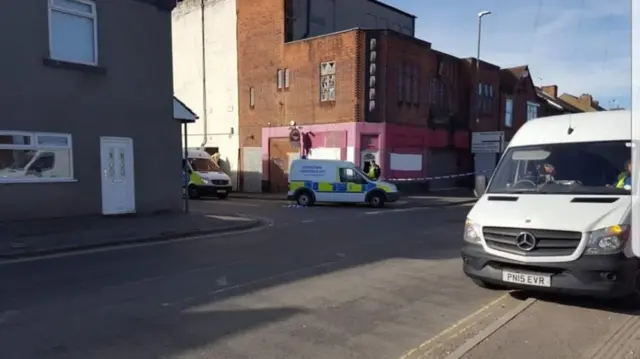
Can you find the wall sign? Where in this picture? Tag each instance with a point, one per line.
(294, 137)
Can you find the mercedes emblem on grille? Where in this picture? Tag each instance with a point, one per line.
(526, 241)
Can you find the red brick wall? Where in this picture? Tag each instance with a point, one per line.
(525, 92)
(262, 51)
(396, 52)
(489, 75)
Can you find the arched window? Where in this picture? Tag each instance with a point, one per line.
(439, 97)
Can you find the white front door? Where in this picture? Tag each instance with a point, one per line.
(116, 165)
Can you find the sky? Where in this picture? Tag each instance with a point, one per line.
(582, 46)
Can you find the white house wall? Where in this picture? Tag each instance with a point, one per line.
(221, 65)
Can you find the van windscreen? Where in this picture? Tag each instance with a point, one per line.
(571, 168)
(204, 165)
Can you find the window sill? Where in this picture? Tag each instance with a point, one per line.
(74, 66)
(36, 180)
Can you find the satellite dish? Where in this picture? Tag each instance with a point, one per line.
(524, 74)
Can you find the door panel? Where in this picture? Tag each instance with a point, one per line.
(279, 161)
(118, 186)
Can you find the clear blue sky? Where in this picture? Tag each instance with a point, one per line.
(583, 46)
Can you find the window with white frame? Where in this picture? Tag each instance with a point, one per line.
(508, 113)
(73, 31)
(35, 157)
(532, 110)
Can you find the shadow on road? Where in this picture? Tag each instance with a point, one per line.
(621, 306)
(159, 301)
(146, 334)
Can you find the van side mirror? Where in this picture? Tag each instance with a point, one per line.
(480, 185)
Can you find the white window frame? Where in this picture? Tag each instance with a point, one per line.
(280, 79)
(93, 16)
(508, 113)
(531, 105)
(34, 146)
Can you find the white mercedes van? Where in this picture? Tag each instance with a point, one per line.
(205, 177)
(556, 214)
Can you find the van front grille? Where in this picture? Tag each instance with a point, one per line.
(548, 242)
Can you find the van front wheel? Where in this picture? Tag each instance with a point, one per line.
(193, 192)
(376, 200)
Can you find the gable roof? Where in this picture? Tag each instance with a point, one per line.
(556, 102)
(577, 101)
(511, 77)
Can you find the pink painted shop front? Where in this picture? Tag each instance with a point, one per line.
(356, 141)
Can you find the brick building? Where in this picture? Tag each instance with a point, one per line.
(519, 98)
(551, 104)
(350, 77)
(352, 93)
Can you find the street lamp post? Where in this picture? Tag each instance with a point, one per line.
(477, 84)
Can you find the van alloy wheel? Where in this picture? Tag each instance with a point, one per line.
(304, 199)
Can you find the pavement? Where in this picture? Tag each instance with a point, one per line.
(318, 282)
(38, 237)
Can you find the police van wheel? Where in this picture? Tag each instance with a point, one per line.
(376, 200)
(193, 192)
(304, 199)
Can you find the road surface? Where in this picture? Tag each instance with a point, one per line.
(325, 282)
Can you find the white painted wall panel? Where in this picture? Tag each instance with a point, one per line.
(325, 153)
(405, 162)
(351, 154)
(221, 65)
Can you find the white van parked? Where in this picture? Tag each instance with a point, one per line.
(205, 177)
(556, 214)
(312, 181)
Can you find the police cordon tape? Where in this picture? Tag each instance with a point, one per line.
(426, 179)
(409, 180)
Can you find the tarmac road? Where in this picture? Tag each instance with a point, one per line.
(325, 282)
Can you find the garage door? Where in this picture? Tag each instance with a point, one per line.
(441, 162)
(280, 154)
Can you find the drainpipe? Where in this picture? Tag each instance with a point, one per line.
(308, 29)
(205, 116)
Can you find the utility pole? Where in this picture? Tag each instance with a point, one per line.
(476, 110)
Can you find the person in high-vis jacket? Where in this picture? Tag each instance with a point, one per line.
(624, 178)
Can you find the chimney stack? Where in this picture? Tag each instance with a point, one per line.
(551, 90)
(586, 99)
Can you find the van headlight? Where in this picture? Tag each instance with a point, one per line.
(471, 232)
(609, 240)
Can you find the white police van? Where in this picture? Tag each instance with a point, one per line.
(552, 217)
(312, 181)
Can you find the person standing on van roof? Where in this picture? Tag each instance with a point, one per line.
(624, 178)
(374, 170)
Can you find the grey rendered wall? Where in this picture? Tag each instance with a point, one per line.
(329, 16)
(132, 99)
(252, 164)
(441, 162)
